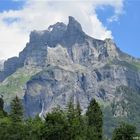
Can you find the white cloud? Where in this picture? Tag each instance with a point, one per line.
(15, 25)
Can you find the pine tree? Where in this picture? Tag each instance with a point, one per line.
(16, 113)
(95, 121)
(2, 112)
(1, 104)
(124, 132)
(1, 107)
(78, 110)
(70, 111)
(75, 121)
(80, 126)
(70, 118)
(34, 128)
(55, 125)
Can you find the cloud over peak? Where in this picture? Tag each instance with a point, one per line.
(16, 25)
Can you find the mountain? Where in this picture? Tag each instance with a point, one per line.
(1, 65)
(63, 62)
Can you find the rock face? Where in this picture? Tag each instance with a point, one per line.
(71, 64)
(1, 65)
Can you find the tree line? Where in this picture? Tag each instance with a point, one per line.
(68, 124)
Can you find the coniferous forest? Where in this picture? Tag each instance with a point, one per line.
(68, 124)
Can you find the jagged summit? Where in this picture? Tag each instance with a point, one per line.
(74, 24)
(59, 26)
(63, 62)
(59, 33)
(80, 47)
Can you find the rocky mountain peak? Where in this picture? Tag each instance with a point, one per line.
(112, 49)
(59, 26)
(80, 47)
(74, 33)
(61, 63)
(74, 25)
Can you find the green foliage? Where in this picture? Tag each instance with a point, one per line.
(12, 127)
(130, 102)
(10, 130)
(1, 104)
(16, 113)
(133, 65)
(59, 124)
(34, 128)
(95, 121)
(109, 121)
(76, 125)
(55, 125)
(65, 125)
(2, 112)
(124, 132)
(15, 83)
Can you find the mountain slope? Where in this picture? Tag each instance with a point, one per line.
(63, 62)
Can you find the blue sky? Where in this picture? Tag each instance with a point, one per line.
(125, 30)
(9, 4)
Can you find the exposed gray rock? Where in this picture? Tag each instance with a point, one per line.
(10, 66)
(74, 65)
(81, 67)
(1, 65)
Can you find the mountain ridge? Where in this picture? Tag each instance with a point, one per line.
(63, 62)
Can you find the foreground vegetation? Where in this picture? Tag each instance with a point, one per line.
(68, 124)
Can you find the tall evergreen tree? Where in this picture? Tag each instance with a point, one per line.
(95, 121)
(70, 111)
(16, 113)
(55, 126)
(71, 120)
(2, 112)
(78, 110)
(1, 107)
(1, 103)
(124, 132)
(75, 121)
(80, 124)
(34, 128)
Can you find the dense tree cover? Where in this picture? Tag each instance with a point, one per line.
(68, 124)
(16, 113)
(124, 132)
(95, 121)
(2, 112)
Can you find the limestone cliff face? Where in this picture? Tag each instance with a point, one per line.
(77, 66)
(71, 64)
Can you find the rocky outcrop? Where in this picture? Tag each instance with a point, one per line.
(10, 66)
(71, 64)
